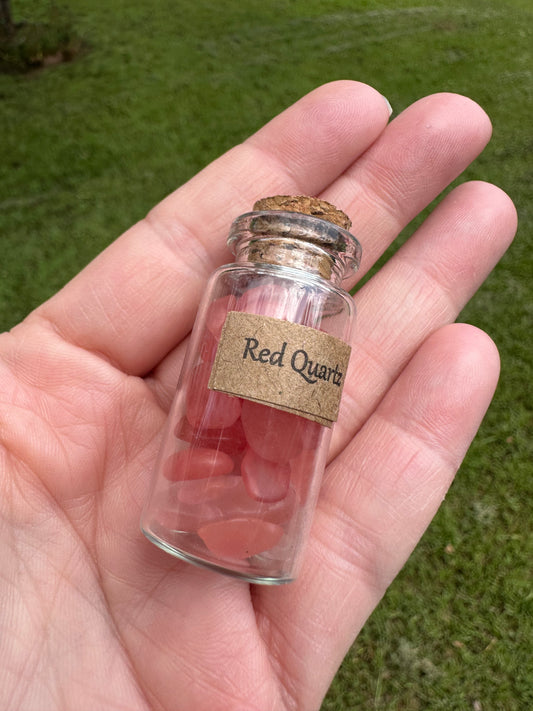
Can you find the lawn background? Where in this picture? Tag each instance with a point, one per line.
(164, 87)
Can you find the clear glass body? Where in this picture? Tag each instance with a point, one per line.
(236, 482)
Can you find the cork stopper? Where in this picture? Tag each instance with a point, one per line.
(306, 205)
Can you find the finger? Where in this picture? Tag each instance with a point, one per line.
(423, 287)
(137, 299)
(423, 150)
(378, 498)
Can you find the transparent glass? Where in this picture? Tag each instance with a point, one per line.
(236, 482)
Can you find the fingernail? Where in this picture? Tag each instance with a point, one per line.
(388, 105)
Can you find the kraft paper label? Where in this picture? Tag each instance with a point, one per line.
(288, 366)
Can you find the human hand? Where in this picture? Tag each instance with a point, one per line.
(93, 616)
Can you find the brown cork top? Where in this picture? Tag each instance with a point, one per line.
(308, 206)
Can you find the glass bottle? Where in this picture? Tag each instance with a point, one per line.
(241, 462)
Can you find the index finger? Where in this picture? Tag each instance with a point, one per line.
(137, 299)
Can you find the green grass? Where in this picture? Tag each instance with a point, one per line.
(87, 147)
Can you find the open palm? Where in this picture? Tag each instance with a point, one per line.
(92, 615)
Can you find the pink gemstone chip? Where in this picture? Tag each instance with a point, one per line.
(240, 537)
(265, 480)
(197, 463)
(273, 434)
(228, 439)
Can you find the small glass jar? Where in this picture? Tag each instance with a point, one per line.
(241, 462)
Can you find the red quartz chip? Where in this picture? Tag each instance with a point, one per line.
(170, 513)
(185, 521)
(240, 537)
(197, 463)
(229, 439)
(206, 408)
(216, 490)
(265, 480)
(273, 434)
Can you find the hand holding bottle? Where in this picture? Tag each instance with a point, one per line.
(92, 615)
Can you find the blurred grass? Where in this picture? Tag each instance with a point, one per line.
(87, 148)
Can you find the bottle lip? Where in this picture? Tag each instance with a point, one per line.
(337, 241)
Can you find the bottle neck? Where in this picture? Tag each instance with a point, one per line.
(295, 240)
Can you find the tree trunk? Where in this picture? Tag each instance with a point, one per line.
(6, 20)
